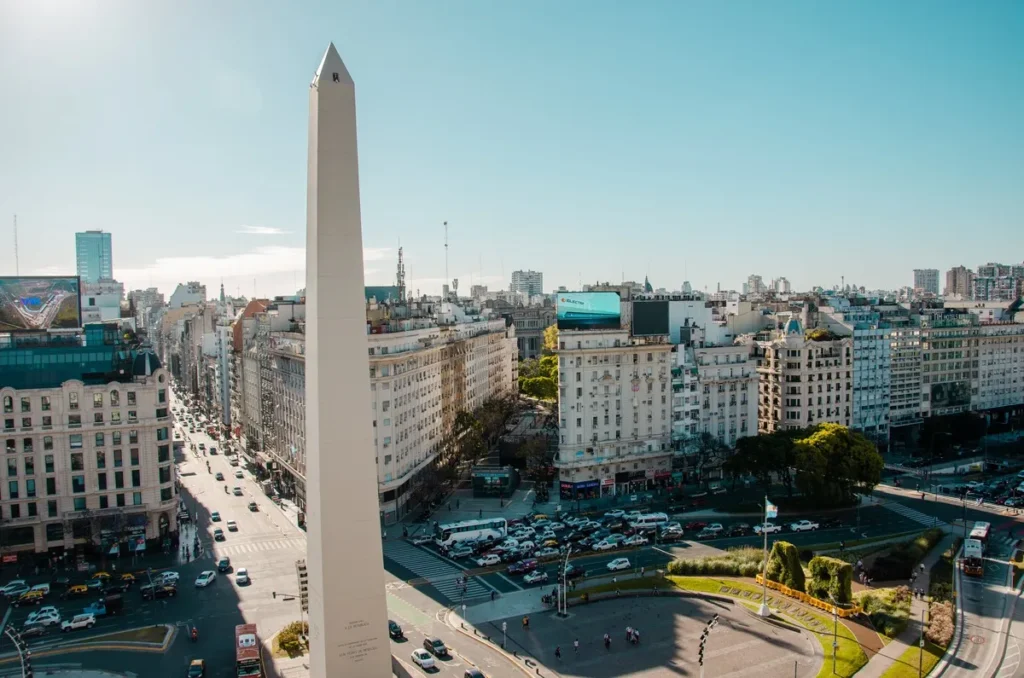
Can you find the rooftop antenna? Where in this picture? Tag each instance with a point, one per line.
(401, 278)
(17, 267)
(446, 253)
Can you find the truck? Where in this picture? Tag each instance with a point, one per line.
(803, 526)
(111, 604)
(974, 564)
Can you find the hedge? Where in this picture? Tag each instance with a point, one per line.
(784, 566)
(831, 578)
(888, 609)
(741, 562)
(900, 561)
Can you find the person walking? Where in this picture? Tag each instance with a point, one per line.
(576, 646)
(629, 633)
(558, 652)
(492, 596)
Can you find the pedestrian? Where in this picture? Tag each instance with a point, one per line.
(641, 571)
(922, 568)
(615, 580)
(558, 652)
(629, 633)
(385, 535)
(860, 564)
(576, 646)
(492, 596)
(481, 514)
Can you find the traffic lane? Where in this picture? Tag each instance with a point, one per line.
(984, 603)
(949, 511)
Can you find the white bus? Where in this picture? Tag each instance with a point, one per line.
(981, 531)
(467, 530)
(650, 520)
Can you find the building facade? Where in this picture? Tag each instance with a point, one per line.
(94, 256)
(949, 363)
(528, 283)
(926, 280)
(958, 282)
(615, 413)
(530, 322)
(1000, 367)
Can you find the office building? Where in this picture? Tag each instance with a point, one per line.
(528, 283)
(926, 281)
(94, 256)
(958, 282)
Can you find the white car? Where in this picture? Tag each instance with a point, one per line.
(422, 659)
(205, 579)
(547, 552)
(242, 576)
(617, 513)
(619, 564)
(547, 534)
(767, 528)
(631, 516)
(421, 539)
(635, 540)
(169, 577)
(555, 527)
(232, 526)
(79, 621)
(18, 585)
(527, 546)
(43, 617)
(604, 546)
(714, 527)
(803, 526)
(488, 560)
(536, 577)
(525, 531)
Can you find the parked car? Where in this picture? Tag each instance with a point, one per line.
(215, 516)
(830, 523)
(767, 528)
(536, 577)
(619, 564)
(237, 491)
(523, 566)
(714, 527)
(436, 647)
(422, 659)
(695, 526)
(547, 552)
(421, 539)
(460, 552)
(618, 513)
(803, 526)
(738, 530)
(79, 621)
(205, 578)
(239, 474)
(488, 560)
(706, 534)
(604, 545)
(637, 540)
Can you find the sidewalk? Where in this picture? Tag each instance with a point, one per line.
(885, 659)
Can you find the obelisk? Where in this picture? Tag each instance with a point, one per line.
(347, 604)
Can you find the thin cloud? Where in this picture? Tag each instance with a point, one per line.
(261, 230)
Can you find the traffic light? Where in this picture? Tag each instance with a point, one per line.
(300, 568)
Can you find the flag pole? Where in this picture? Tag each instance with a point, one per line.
(764, 611)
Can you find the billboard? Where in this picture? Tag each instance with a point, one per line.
(650, 318)
(951, 394)
(588, 311)
(39, 304)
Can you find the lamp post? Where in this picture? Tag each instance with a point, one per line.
(835, 633)
(920, 643)
(563, 604)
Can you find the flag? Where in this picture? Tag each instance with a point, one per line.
(770, 510)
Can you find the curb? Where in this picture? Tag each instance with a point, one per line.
(88, 645)
(954, 645)
(512, 659)
(1004, 634)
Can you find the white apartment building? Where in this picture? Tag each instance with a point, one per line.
(685, 399)
(1000, 366)
(949, 370)
(421, 376)
(802, 382)
(728, 387)
(905, 369)
(614, 411)
(529, 283)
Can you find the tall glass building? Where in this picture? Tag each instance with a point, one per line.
(93, 252)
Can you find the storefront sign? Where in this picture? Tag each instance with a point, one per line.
(608, 482)
(588, 485)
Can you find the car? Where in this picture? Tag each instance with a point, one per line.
(79, 621)
(529, 546)
(547, 552)
(488, 560)
(574, 572)
(155, 591)
(767, 528)
(619, 564)
(76, 591)
(205, 578)
(604, 545)
(233, 462)
(215, 516)
(213, 450)
(44, 617)
(617, 513)
(177, 435)
(706, 534)
(556, 526)
(436, 647)
(219, 476)
(253, 506)
(32, 632)
(803, 526)
(232, 526)
(523, 566)
(168, 577)
(422, 659)
(224, 564)
(421, 539)
(29, 598)
(636, 540)
(196, 669)
(830, 523)
(128, 577)
(237, 491)
(460, 552)
(242, 577)
(218, 535)
(395, 631)
(738, 530)
(536, 577)
(714, 527)
(12, 585)
(695, 526)
(473, 673)
(202, 446)
(96, 584)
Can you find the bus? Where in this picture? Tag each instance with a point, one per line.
(981, 531)
(650, 520)
(469, 530)
(248, 655)
(974, 549)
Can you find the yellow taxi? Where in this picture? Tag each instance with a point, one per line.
(77, 591)
(29, 598)
(101, 575)
(550, 543)
(127, 577)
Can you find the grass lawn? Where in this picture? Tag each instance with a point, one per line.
(145, 634)
(853, 543)
(907, 664)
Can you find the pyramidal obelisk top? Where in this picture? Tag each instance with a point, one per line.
(332, 67)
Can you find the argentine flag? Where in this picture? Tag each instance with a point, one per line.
(770, 510)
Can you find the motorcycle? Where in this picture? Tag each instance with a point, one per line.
(195, 634)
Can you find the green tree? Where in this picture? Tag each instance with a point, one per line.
(541, 388)
(708, 453)
(550, 340)
(835, 463)
(535, 453)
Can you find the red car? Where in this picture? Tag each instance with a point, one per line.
(695, 525)
(523, 566)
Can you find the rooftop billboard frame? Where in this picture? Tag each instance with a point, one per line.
(650, 317)
(40, 303)
(588, 311)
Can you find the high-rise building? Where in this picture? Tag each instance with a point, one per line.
(958, 282)
(755, 284)
(997, 282)
(528, 282)
(926, 280)
(93, 254)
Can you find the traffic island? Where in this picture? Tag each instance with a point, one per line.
(157, 639)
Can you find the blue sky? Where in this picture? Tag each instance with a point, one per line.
(588, 140)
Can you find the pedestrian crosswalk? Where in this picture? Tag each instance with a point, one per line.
(442, 575)
(916, 516)
(228, 549)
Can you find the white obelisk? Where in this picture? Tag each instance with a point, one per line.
(347, 604)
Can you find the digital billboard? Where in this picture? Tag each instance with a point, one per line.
(39, 304)
(650, 318)
(951, 394)
(588, 311)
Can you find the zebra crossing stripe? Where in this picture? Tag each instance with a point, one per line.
(913, 514)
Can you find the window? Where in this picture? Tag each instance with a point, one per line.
(26, 404)
(136, 478)
(104, 501)
(101, 481)
(163, 453)
(12, 468)
(131, 401)
(48, 463)
(78, 484)
(80, 503)
(26, 445)
(8, 424)
(8, 404)
(51, 512)
(115, 399)
(161, 413)
(101, 459)
(132, 416)
(120, 499)
(15, 511)
(97, 400)
(72, 401)
(77, 461)
(47, 443)
(30, 488)
(99, 440)
(51, 487)
(11, 446)
(133, 437)
(45, 403)
(12, 489)
(97, 418)
(118, 462)
(166, 494)
(135, 456)
(165, 474)
(119, 481)
(30, 466)
(161, 396)
(47, 422)
(136, 499)
(115, 417)
(75, 440)
(75, 420)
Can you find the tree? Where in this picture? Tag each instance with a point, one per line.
(835, 463)
(709, 453)
(540, 379)
(550, 340)
(534, 452)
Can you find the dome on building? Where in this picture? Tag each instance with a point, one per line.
(793, 326)
(145, 364)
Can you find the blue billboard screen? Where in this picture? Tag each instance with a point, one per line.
(39, 304)
(588, 311)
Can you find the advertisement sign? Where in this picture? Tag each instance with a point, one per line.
(951, 394)
(650, 318)
(39, 304)
(588, 311)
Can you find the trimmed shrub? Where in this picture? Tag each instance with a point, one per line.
(888, 609)
(831, 577)
(741, 562)
(784, 566)
(900, 561)
(940, 623)
(289, 639)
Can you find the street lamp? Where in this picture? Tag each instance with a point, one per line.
(563, 604)
(835, 632)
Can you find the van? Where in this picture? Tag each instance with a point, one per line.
(42, 588)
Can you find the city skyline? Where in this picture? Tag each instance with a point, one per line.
(671, 167)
